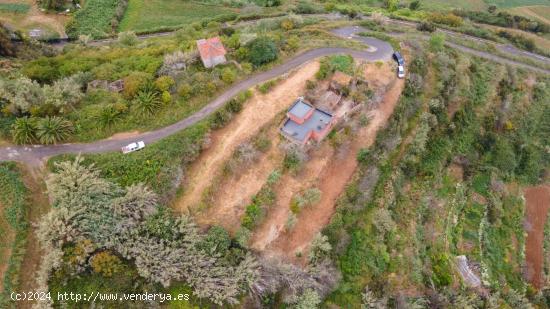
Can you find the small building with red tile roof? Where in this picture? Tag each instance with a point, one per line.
(211, 51)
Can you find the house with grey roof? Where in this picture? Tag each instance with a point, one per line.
(304, 122)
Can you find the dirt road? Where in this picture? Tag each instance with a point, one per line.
(260, 110)
(537, 201)
(335, 172)
(33, 155)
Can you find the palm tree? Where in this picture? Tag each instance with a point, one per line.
(24, 130)
(108, 116)
(51, 130)
(147, 102)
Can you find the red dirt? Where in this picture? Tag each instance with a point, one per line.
(537, 204)
(235, 192)
(288, 186)
(332, 174)
(257, 112)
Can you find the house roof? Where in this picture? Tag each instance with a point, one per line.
(210, 48)
(300, 108)
(318, 121)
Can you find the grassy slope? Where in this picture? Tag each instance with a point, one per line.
(475, 5)
(147, 15)
(436, 215)
(538, 12)
(13, 196)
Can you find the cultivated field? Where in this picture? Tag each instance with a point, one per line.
(537, 202)
(537, 12)
(480, 5)
(155, 14)
(25, 15)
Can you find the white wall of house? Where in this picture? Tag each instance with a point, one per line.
(213, 61)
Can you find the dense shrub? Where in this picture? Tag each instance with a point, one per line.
(518, 40)
(268, 3)
(164, 83)
(262, 50)
(414, 5)
(306, 7)
(217, 241)
(105, 263)
(504, 19)
(426, 26)
(134, 82)
(437, 41)
(448, 19)
(164, 248)
(331, 64)
(93, 19)
(127, 38)
(50, 130)
(7, 48)
(267, 86)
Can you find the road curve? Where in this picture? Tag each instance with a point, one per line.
(34, 154)
(378, 50)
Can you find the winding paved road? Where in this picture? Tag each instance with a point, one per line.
(378, 50)
(33, 155)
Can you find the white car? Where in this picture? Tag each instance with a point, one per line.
(133, 147)
(400, 71)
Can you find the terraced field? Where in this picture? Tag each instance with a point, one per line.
(537, 12)
(150, 15)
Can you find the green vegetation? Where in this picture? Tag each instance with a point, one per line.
(13, 227)
(163, 81)
(331, 64)
(138, 247)
(308, 198)
(504, 19)
(19, 8)
(255, 212)
(261, 50)
(147, 16)
(267, 86)
(405, 194)
(442, 180)
(96, 18)
(160, 164)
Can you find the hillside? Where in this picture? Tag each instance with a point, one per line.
(275, 154)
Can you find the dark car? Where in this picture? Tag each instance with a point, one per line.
(397, 56)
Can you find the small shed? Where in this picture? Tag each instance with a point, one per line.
(98, 84)
(35, 33)
(116, 86)
(211, 51)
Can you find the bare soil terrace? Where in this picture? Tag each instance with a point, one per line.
(258, 111)
(330, 170)
(537, 201)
